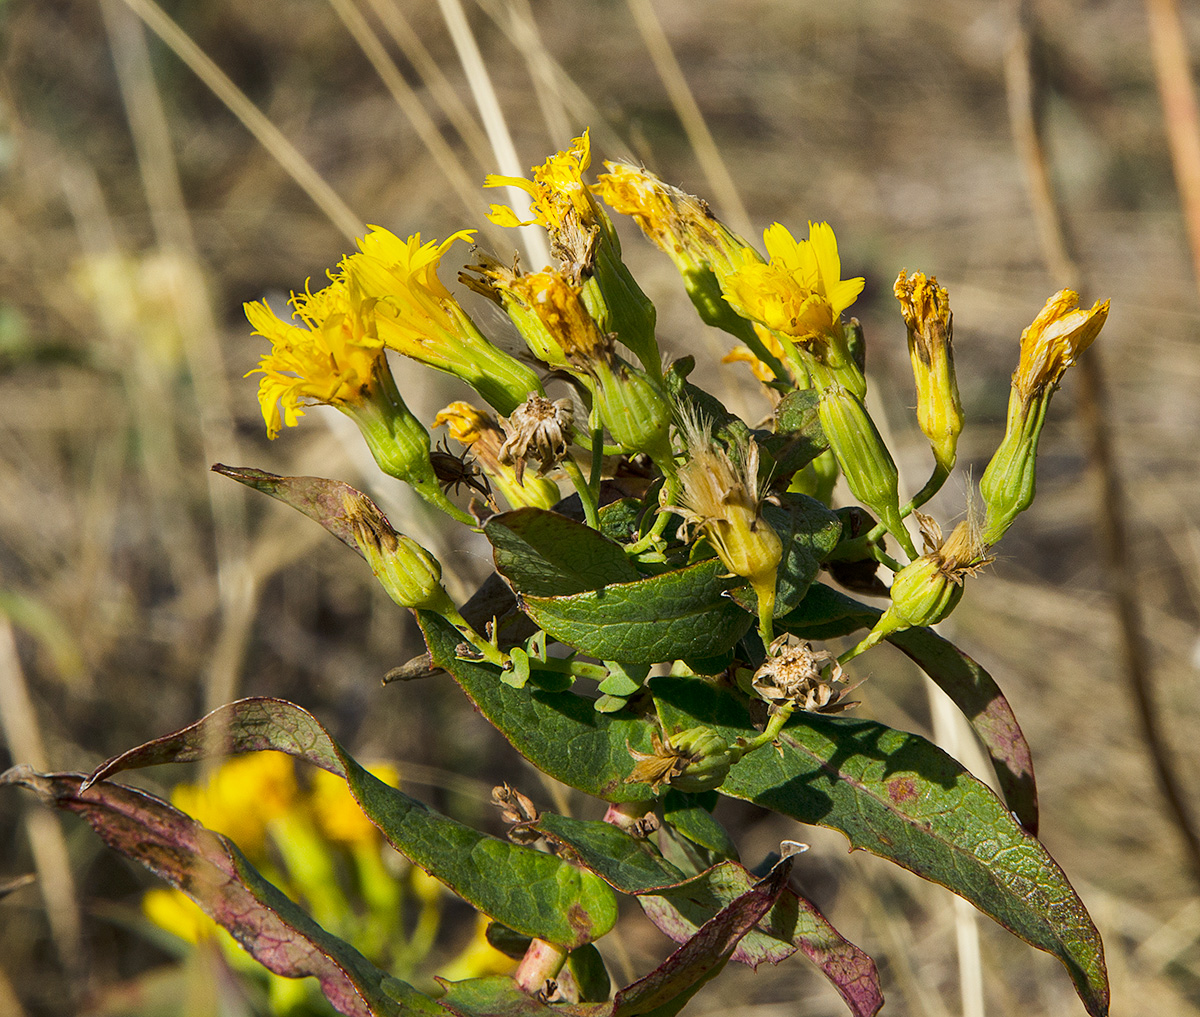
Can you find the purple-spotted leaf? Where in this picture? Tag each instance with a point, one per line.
(213, 872)
(825, 613)
(679, 905)
(532, 892)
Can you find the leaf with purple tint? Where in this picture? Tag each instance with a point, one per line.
(318, 498)
(532, 892)
(679, 905)
(668, 987)
(213, 872)
(825, 613)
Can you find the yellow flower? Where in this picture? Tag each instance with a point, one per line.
(557, 190)
(800, 293)
(762, 370)
(679, 224)
(339, 816)
(1050, 345)
(331, 357)
(414, 314)
(925, 307)
(242, 798)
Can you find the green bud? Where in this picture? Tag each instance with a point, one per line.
(922, 593)
(617, 303)
(708, 759)
(635, 410)
(864, 459)
(1008, 484)
(409, 573)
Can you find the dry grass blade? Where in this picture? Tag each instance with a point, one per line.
(251, 117)
(408, 102)
(724, 190)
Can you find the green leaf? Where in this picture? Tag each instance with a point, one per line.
(679, 906)
(684, 613)
(808, 531)
(211, 870)
(902, 798)
(967, 684)
(695, 821)
(798, 437)
(529, 891)
(558, 732)
(544, 554)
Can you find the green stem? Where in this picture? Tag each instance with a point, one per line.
(669, 493)
(587, 496)
(575, 668)
(491, 653)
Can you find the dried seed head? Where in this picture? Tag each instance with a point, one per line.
(540, 428)
(795, 674)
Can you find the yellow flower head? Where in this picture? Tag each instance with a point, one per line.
(415, 314)
(242, 798)
(557, 190)
(801, 292)
(1050, 345)
(329, 358)
(678, 223)
(338, 815)
(173, 910)
(557, 304)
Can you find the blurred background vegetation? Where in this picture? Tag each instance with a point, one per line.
(138, 213)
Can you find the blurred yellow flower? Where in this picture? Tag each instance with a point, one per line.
(800, 293)
(242, 798)
(331, 358)
(173, 910)
(338, 815)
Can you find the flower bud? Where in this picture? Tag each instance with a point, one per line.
(926, 310)
(411, 576)
(708, 759)
(691, 761)
(635, 411)
(864, 459)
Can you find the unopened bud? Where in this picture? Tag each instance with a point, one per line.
(865, 461)
(411, 575)
(635, 411)
(708, 759)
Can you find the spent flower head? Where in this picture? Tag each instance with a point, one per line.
(482, 434)
(796, 675)
(720, 498)
(538, 427)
